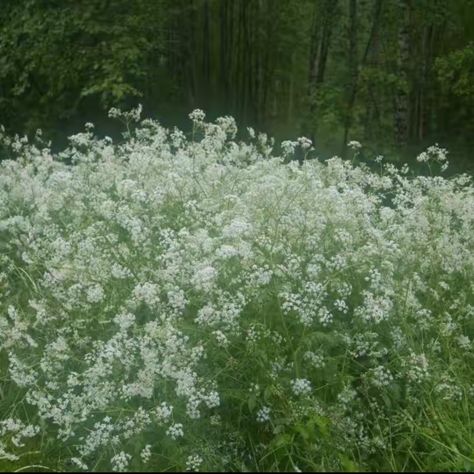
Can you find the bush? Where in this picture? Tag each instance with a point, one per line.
(174, 302)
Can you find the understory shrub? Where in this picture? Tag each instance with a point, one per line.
(176, 302)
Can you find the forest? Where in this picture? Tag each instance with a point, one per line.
(397, 75)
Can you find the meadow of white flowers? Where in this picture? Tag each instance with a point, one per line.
(178, 302)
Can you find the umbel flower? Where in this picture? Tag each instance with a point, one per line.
(171, 302)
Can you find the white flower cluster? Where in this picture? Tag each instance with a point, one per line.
(146, 286)
(14, 432)
(289, 147)
(197, 115)
(301, 386)
(355, 145)
(133, 115)
(305, 143)
(263, 415)
(193, 462)
(175, 431)
(436, 154)
(145, 453)
(120, 462)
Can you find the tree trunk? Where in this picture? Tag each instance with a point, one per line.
(320, 42)
(224, 52)
(402, 95)
(371, 57)
(206, 54)
(354, 72)
(291, 90)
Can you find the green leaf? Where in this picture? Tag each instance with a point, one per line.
(252, 402)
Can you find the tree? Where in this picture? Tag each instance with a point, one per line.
(390, 73)
(402, 93)
(63, 59)
(354, 69)
(323, 20)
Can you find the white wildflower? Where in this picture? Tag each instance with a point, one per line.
(175, 431)
(145, 453)
(120, 461)
(197, 115)
(263, 415)
(301, 386)
(193, 462)
(355, 145)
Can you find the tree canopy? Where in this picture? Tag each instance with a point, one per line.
(391, 73)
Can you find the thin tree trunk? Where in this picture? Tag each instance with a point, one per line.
(267, 61)
(291, 89)
(240, 67)
(320, 42)
(206, 54)
(371, 57)
(402, 96)
(354, 73)
(224, 52)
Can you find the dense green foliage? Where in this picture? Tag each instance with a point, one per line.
(391, 73)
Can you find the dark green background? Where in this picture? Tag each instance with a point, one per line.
(397, 75)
